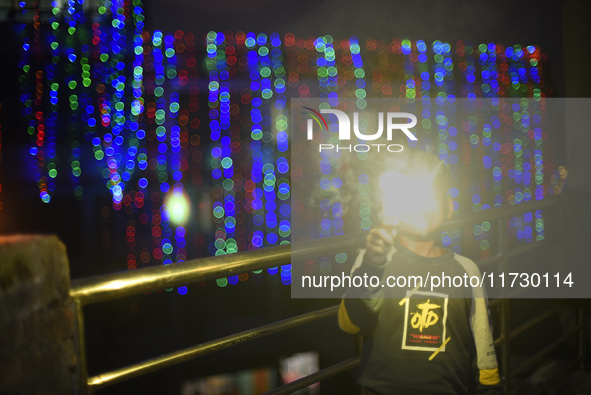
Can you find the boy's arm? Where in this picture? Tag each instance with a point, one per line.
(489, 381)
(359, 309)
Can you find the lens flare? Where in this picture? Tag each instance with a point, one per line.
(178, 207)
(409, 201)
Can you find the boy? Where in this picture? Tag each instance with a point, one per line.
(418, 341)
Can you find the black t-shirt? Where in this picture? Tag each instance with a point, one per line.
(419, 340)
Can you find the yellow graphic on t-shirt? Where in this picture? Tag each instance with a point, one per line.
(425, 317)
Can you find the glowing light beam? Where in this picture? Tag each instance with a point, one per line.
(178, 207)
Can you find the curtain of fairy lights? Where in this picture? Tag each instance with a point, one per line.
(189, 133)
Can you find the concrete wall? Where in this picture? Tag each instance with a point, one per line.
(37, 318)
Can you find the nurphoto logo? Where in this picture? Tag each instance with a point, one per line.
(392, 124)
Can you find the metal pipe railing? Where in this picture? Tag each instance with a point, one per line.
(112, 286)
(315, 377)
(527, 325)
(581, 322)
(501, 212)
(107, 287)
(81, 346)
(551, 346)
(129, 372)
(502, 248)
(533, 322)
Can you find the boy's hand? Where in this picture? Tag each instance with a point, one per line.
(378, 244)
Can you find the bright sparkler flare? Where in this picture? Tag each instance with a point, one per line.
(408, 201)
(178, 207)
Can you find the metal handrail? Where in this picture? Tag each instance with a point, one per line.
(129, 372)
(107, 287)
(111, 286)
(551, 346)
(534, 321)
(315, 377)
(501, 212)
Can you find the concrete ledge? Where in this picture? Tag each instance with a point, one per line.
(37, 318)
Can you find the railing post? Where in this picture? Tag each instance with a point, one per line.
(358, 349)
(81, 348)
(505, 361)
(581, 325)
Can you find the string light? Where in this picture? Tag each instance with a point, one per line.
(215, 58)
(137, 96)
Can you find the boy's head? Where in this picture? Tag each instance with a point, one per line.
(415, 193)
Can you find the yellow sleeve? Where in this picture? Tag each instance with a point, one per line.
(345, 322)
